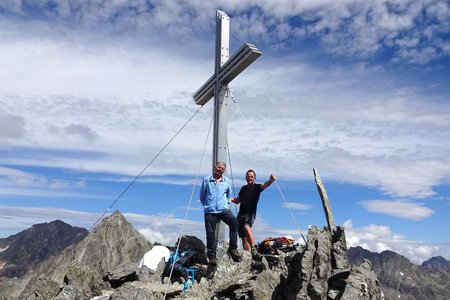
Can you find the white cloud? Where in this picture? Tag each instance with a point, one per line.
(11, 127)
(353, 29)
(378, 238)
(11, 172)
(371, 130)
(156, 236)
(297, 206)
(401, 209)
(93, 92)
(19, 184)
(380, 247)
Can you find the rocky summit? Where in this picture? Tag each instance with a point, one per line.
(105, 265)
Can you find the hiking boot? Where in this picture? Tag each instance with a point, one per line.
(235, 256)
(255, 253)
(212, 261)
(210, 272)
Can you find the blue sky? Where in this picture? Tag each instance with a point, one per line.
(91, 91)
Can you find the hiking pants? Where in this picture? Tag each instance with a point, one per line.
(211, 221)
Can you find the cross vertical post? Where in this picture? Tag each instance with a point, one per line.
(226, 69)
(220, 143)
(220, 90)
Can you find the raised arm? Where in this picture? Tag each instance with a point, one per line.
(266, 184)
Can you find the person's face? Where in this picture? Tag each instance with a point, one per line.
(220, 168)
(250, 177)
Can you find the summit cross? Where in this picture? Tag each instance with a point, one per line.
(226, 69)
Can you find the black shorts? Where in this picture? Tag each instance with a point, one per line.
(245, 219)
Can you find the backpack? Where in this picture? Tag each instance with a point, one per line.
(181, 261)
(272, 245)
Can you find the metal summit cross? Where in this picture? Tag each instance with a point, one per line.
(217, 85)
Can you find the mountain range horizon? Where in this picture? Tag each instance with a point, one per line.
(114, 242)
(203, 239)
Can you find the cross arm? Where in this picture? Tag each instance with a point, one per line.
(247, 54)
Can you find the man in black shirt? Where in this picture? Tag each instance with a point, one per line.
(248, 198)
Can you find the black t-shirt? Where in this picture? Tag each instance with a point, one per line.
(249, 195)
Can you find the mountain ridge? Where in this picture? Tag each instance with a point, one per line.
(28, 248)
(400, 278)
(72, 250)
(105, 265)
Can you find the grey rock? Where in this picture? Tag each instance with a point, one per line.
(140, 291)
(121, 274)
(340, 261)
(316, 264)
(40, 288)
(325, 201)
(362, 284)
(85, 281)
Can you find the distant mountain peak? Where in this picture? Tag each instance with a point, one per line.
(437, 263)
(399, 278)
(112, 242)
(27, 249)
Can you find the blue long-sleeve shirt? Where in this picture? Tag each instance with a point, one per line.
(215, 197)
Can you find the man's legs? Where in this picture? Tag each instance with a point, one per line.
(245, 230)
(245, 222)
(245, 244)
(228, 218)
(241, 233)
(248, 241)
(210, 227)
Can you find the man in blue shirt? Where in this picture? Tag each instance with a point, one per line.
(215, 196)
